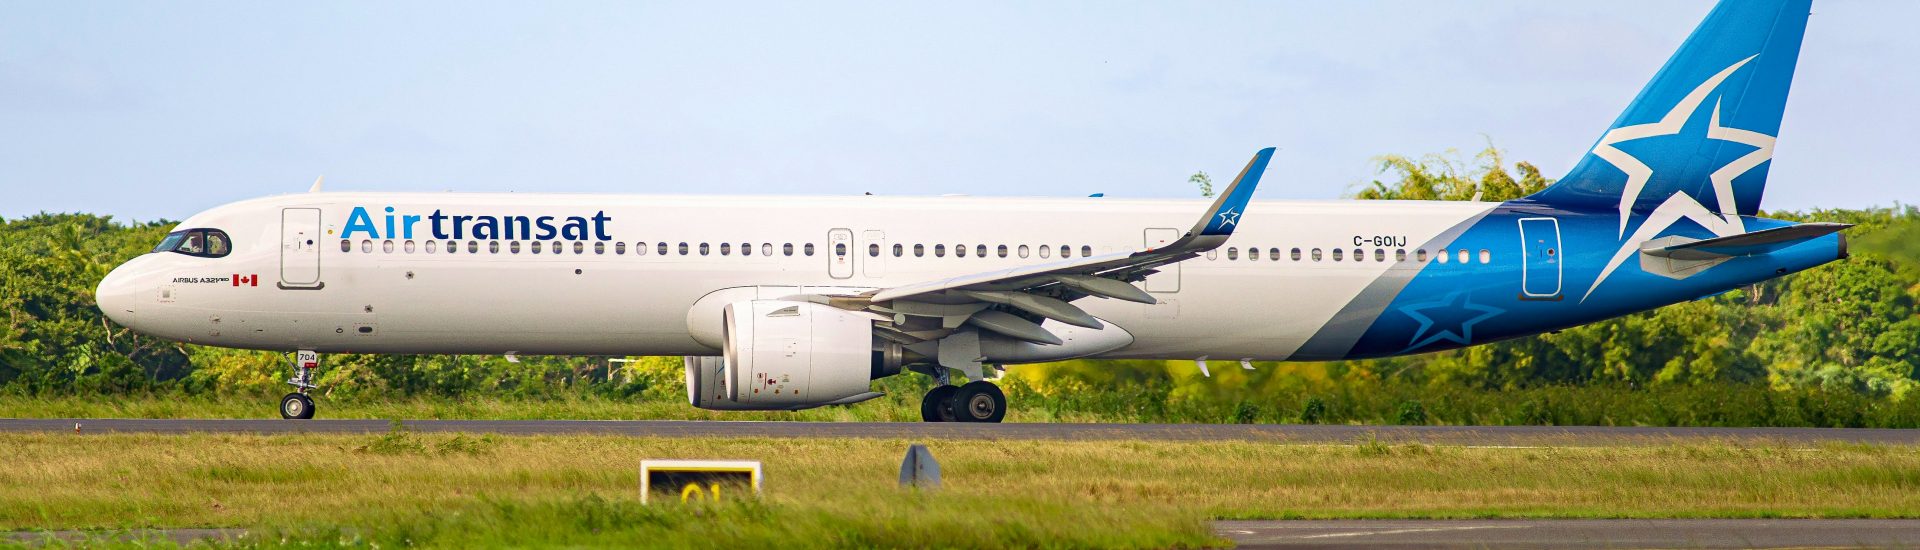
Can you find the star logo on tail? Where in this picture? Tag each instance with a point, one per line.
(1724, 220)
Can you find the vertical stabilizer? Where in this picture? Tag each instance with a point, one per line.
(1704, 127)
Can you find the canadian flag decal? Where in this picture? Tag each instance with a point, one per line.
(249, 280)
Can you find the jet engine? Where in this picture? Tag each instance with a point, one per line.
(789, 355)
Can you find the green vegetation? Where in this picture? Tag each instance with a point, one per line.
(464, 490)
(1833, 346)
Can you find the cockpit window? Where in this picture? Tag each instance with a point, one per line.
(205, 243)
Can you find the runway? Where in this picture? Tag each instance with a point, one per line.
(1305, 434)
(1561, 533)
(1402, 534)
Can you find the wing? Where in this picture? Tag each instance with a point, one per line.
(1014, 302)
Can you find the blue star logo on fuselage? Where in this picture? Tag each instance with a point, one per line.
(1451, 318)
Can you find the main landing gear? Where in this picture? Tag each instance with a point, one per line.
(298, 405)
(978, 401)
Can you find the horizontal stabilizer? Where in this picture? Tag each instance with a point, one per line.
(1744, 244)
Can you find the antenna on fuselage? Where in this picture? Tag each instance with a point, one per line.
(316, 184)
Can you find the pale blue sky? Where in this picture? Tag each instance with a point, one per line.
(158, 110)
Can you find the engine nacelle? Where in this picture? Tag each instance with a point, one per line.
(785, 355)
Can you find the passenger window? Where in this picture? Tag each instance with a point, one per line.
(704, 249)
(1420, 255)
(1316, 254)
(1359, 255)
(431, 248)
(940, 251)
(919, 250)
(960, 251)
(661, 249)
(639, 249)
(1486, 256)
(1400, 254)
(346, 245)
(1046, 252)
(1273, 254)
(407, 246)
(1463, 255)
(1233, 253)
(766, 249)
(493, 247)
(899, 250)
(683, 249)
(1379, 254)
(453, 247)
(1086, 251)
(533, 247)
(1336, 254)
(1066, 251)
(1023, 251)
(787, 249)
(808, 249)
(1296, 254)
(726, 249)
(873, 250)
(1003, 251)
(513, 247)
(1440, 256)
(746, 249)
(599, 247)
(981, 251)
(473, 247)
(620, 248)
(1253, 254)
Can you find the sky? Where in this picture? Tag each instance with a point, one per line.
(148, 110)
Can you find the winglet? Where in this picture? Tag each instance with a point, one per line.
(1226, 210)
(316, 184)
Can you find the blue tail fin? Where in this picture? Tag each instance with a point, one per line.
(1704, 127)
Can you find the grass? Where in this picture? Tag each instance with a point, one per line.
(478, 490)
(1119, 401)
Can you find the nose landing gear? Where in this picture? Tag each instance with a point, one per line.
(297, 405)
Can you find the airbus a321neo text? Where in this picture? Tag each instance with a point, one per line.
(781, 303)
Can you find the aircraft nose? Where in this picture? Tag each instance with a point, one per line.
(115, 296)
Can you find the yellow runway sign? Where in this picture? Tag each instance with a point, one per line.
(698, 480)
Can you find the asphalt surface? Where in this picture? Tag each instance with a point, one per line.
(1597, 533)
(1399, 534)
(1436, 435)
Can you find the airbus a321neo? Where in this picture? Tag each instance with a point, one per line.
(782, 303)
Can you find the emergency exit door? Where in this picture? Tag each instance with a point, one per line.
(1168, 279)
(300, 248)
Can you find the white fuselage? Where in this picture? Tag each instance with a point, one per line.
(382, 292)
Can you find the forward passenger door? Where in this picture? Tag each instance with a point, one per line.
(300, 248)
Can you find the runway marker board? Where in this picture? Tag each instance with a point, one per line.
(699, 480)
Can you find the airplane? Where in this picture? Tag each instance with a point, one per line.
(787, 303)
